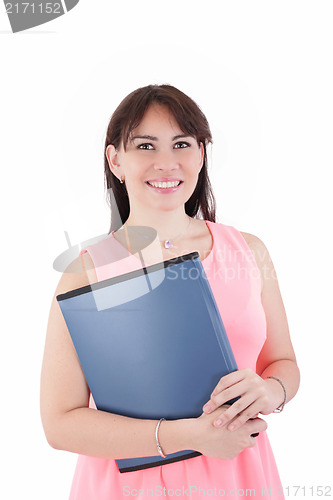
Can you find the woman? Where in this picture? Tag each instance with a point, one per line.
(156, 165)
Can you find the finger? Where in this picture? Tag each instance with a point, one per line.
(226, 395)
(230, 387)
(234, 410)
(249, 413)
(229, 380)
(256, 425)
(256, 434)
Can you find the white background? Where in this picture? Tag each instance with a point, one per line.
(262, 73)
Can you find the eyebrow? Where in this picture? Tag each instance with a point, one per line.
(151, 138)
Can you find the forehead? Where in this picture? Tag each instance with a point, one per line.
(157, 117)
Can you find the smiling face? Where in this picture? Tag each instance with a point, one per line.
(161, 163)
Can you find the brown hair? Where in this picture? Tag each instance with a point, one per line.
(190, 119)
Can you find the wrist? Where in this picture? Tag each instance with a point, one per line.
(176, 435)
(276, 395)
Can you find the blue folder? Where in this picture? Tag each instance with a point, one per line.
(151, 344)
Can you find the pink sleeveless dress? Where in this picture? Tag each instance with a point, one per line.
(235, 281)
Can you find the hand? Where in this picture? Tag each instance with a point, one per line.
(256, 396)
(220, 442)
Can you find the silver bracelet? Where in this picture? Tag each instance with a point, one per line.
(159, 449)
(280, 408)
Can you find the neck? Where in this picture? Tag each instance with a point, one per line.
(167, 224)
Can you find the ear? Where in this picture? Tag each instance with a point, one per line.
(113, 160)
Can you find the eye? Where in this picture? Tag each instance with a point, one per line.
(181, 145)
(145, 146)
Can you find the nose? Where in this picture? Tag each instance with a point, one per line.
(165, 160)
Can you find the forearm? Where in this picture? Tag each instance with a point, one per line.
(106, 435)
(286, 370)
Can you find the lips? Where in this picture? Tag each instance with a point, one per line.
(165, 187)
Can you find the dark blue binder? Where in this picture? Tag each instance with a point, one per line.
(151, 344)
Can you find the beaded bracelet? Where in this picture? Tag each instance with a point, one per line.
(280, 408)
(159, 449)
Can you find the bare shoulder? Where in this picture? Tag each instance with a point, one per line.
(257, 246)
(80, 272)
(253, 241)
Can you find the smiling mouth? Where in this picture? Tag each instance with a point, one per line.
(164, 185)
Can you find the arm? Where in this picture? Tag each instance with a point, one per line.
(276, 358)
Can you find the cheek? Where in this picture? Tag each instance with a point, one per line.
(193, 157)
(136, 165)
(193, 166)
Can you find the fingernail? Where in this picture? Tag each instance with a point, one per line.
(232, 427)
(207, 407)
(218, 422)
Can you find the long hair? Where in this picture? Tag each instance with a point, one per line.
(191, 121)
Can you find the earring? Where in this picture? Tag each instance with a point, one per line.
(122, 179)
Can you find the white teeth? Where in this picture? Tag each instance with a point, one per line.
(164, 184)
